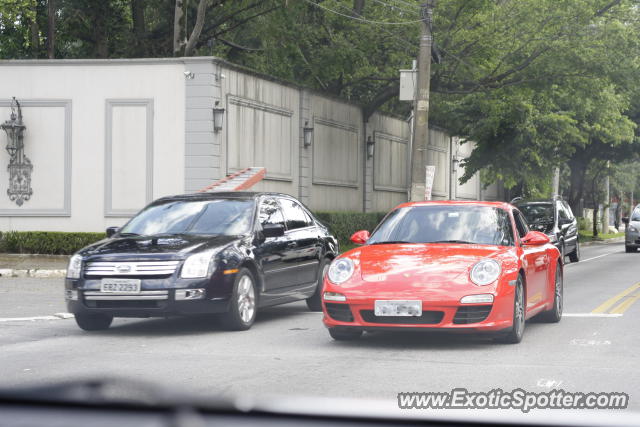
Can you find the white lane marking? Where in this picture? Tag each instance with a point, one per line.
(590, 259)
(585, 342)
(591, 315)
(57, 316)
(548, 383)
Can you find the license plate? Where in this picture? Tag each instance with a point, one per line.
(398, 308)
(122, 286)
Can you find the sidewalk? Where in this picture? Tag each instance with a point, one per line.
(22, 265)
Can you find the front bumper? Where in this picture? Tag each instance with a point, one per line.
(437, 313)
(157, 298)
(632, 239)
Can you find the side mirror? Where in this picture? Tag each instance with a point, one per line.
(360, 237)
(625, 219)
(535, 238)
(273, 230)
(112, 230)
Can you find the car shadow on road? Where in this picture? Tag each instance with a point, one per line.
(199, 325)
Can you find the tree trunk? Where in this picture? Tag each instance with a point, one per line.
(578, 169)
(178, 27)
(197, 28)
(139, 27)
(358, 6)
(51, 29)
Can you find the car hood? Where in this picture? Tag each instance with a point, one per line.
(165, 246)
(429, 263)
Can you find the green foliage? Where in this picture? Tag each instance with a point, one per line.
(344, 224)
(46, 242)
(583, 223)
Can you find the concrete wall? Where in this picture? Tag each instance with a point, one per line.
(103, 138)
(107, 137)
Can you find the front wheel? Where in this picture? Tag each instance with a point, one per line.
(575, 255)
(242, 307)
(314, 302)
(629, 249)
(555, 314)
(516, 332)
(93, 322)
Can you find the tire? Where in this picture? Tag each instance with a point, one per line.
(562, 254)
(243, 305)
(516, 332)
(340, 334)
(629, 249)
(555, 314)
(93, 322)
(314, 302)
(575, 255)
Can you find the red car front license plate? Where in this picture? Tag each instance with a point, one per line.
(398, 308)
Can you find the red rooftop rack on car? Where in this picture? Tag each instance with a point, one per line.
(241, 180)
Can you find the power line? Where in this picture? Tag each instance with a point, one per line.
(357, 18)
(393, 6)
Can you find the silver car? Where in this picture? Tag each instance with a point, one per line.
(632, 231)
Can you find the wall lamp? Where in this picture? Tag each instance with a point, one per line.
(308, 134)
(218, 117)
(371, 144)
(189, 75)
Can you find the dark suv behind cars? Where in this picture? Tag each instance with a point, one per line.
(225, 253)
(555, 219)
(632, 231)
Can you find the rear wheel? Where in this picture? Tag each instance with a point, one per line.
(314, 302)
(340, 334)
(93, 322)
(575, 255)
(516, 332)
(242, 307)
(555, 314)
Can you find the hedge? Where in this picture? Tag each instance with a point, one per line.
(344, 224)
(46, 242)
(341, 224)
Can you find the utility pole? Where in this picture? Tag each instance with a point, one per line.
(556, 182)
(420, 156)
(607, 200)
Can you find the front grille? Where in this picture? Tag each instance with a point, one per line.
(124, 304)
(339, 312)
(471, 314)
(136, 268)
(427, 318)
(114, 296)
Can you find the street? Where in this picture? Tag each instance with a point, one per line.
(289, 352)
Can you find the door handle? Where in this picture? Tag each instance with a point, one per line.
(292, 244)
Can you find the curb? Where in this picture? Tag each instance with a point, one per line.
(603, 242)
(34, 272)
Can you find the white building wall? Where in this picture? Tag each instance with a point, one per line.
(80, 113)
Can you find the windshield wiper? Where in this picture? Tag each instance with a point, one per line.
(390, 242)
(453, 241)
(127, 234)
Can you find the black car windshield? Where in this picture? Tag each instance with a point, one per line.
(214, 217)
(446, 224)
(536, 213)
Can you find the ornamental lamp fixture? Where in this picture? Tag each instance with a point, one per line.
(308, 134)
(218, 117)
(371, 144)
(20, 166)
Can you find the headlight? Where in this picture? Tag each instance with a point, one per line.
(340, 270)
(485, 272)
(633, 229)
(198, 265)
(75, 267)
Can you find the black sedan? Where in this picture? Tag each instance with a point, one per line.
(227, 253)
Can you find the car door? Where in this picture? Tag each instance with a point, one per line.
(303, 244)
(534, 260)
(570, 230)
(270, 252)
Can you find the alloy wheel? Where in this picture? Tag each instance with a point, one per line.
(246, 299)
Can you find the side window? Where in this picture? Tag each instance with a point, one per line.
(562, 213)
(521, 224)
(295, 216)
(270, 212)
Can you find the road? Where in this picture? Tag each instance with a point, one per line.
(289, 352)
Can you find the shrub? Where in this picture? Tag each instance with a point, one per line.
(46, 242)
(344, 224)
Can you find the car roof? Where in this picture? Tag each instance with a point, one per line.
(501, 205)
(213, 195)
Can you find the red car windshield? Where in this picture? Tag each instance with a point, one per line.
(446, 224)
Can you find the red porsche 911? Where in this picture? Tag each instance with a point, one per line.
(454, 265)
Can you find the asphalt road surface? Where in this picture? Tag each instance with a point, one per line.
(289, 352)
